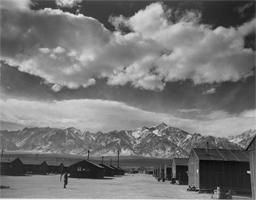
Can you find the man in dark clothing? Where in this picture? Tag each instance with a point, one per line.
(65, 180)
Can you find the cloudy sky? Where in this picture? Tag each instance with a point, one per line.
(113, 65)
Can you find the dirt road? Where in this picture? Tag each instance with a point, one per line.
(138, 186)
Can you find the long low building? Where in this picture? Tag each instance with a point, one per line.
(179, 170)
(86, 169)
(251, 149)
(11, 166)
(224, 168)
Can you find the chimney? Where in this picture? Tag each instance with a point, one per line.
(102, 159)
(88, 154)
(207, 145)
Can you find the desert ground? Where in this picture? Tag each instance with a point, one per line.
(129, 186)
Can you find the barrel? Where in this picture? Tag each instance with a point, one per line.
(220, 194)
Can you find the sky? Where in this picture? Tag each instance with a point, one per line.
(122, 65)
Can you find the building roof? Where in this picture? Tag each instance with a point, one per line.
(250, 144)
(7, 159)
(222, 154)
(32, 162)
(181, 161)
(106, 166)
(57, 164)
(92, 163)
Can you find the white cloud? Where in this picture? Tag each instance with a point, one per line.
(56, 88)
(96, 115)
(71, 50)
(210, 91)
(67, 3)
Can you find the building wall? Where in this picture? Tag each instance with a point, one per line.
(16, 167)
(224, 174)
(87, 171)
(193, 170)
(252, 157)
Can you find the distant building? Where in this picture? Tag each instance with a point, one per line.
(86, 169)
(35, 166)
(11, 166)
(251, 149)
(116, 170)
(224, 168)
(55, 168)
(179, 170)
(108, 171)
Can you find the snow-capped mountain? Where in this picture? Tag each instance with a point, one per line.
(157, 141)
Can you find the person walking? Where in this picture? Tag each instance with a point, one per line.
(65, 180)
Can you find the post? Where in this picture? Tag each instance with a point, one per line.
(2, 152)
(88, 154)
(118, 162)
(207, 145)
(102, 159)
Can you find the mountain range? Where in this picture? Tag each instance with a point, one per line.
(161, 141)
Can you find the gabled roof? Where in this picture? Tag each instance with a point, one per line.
(106, 166)
(92, 163)
(222, 154)
(181, 161)
(53, 163)
(7, 159)
(32, 162)
(250, 144)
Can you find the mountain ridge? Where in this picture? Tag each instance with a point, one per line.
(161, 141)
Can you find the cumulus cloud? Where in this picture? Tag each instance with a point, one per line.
(71, 50)
(67, 3)
(96, 115)
(210, 91)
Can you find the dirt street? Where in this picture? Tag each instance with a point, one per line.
(137, 186)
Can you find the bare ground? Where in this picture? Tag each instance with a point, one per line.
(137, 186)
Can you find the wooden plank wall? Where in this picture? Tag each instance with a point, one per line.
(252, 156)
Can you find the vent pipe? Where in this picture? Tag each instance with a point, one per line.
(207, 146)
(88, 155)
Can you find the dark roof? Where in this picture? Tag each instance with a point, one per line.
(250, 144)
(32, 162)
(222, 154)
(181, 161)
(7, 159)
(53, 163)
(106, 166)
(90, 163)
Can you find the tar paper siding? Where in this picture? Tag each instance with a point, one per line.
(84, 169)
(108, 171)
(14, 167)
(36, 168)
(252, 156)
(179, 172)
(210, 174)
(228, 175)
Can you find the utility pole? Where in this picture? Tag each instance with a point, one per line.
(2, 152)
(118, 162)
(88, 154)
